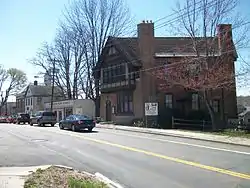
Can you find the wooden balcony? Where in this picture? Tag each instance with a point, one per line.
(116, 86)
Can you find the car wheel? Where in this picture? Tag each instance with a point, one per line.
(18, 122)
(90, 129)
(52, 125)
(31, 124)
(73, 128)
(61, 126)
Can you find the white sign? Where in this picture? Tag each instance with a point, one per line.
(61, 104)
(151, 109)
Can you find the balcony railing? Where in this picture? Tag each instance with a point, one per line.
(124, 83)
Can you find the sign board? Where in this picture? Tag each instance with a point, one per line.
(61, 104)
(151, 109)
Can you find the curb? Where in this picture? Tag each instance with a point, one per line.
(106, 180)
(175, 135)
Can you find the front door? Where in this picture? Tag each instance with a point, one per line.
(108, 110)
(181, 106)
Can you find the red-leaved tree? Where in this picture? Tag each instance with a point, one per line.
(210, 53)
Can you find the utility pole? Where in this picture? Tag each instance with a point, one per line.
(1, 103)
(54, 70)
(53, 85)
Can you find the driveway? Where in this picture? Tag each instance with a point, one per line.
(134, 160)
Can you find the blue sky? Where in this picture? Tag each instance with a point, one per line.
(25, 24)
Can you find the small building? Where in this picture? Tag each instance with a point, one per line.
(34, 96)
(20, 102)
(9, 109)
(68, 107)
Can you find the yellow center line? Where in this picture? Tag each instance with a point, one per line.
(177, 160)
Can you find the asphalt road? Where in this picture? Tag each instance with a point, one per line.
(134, 160)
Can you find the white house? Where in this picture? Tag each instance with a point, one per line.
(37, 95)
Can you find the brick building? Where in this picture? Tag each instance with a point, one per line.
(20, 102)
(125, 87)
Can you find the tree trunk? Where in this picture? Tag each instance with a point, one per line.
(210, 110)
(97, 98)
(97, 106)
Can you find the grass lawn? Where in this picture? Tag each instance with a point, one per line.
(58, 177)
(234, 133)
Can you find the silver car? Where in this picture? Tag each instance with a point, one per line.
(42, 118)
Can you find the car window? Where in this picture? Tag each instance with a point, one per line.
(82, 117)
(68, 118)
(48, 114)
(38, 113)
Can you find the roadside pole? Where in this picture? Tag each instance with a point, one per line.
(54, 71)
(53, 85)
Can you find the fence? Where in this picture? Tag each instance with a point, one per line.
(207, 125)
(191, 124)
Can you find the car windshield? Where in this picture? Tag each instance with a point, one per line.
(82, 117)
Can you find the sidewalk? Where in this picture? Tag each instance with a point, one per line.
(14, 177)
(181, 134)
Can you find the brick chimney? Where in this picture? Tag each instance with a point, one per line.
(145, 31)
(225, 38)
(146, 42)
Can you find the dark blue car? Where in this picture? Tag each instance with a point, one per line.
(77, 122)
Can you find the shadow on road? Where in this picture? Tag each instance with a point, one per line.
(81, 131)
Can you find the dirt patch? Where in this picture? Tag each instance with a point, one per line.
(59, 177)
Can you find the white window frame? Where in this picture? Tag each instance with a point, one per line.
(216, 105)
(169, 100)
(195, 101)
(112, 50)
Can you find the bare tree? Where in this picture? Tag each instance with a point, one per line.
(211, 66)
(60, 55)
(66, 53)
(97, 20)
(14, 79)
(45, 59)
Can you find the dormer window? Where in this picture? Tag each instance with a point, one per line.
(112, 50)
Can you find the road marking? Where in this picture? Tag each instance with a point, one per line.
(181, 143)
(173, 159)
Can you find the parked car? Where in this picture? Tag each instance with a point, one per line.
(3, 119)
(77, 122)
(42, 118)
(22, 118)
(11, 119)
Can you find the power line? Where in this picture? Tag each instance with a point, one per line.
(170, 66)
(186, 45)
(179, 17)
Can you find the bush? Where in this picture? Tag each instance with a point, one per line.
(77, 183)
